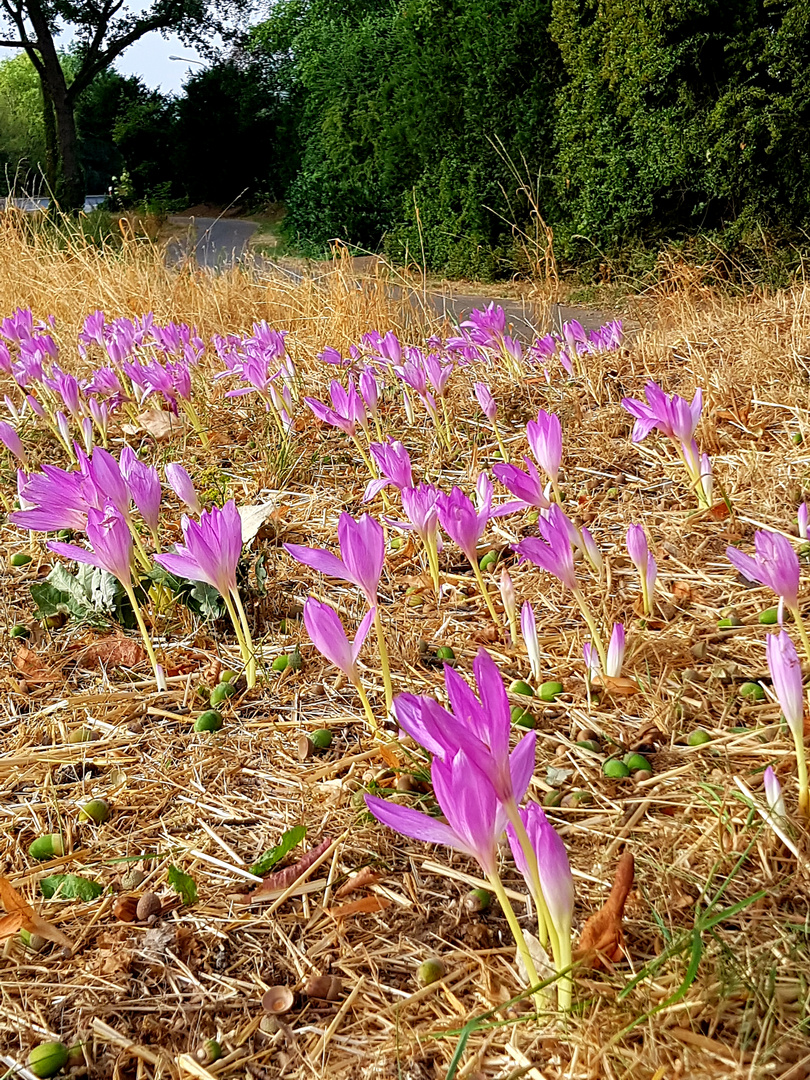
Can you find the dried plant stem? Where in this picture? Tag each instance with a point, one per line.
(501, 447)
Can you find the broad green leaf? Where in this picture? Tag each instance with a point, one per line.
(70, 887)
(207, 600)
(183, 885)
(291, 838)
(61, 591)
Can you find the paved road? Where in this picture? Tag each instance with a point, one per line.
(217, 242)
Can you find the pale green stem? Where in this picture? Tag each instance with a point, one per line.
(147, 641)
(240, 637)
(378, 426)
(797, 616)
(501, 447)
(196, 423)
(545, 925)
(366, 706)
(479, 577)
(447, 423)
(645, 594)
(372, 468)
(801, 770)
(514, 926)
(513, 627)
(251, 667)
(694, 478)
(433, 563)
(563, 961)
(596, 637)
(386, 667)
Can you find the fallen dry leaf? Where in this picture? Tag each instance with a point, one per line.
(21, 916)
(282, 879)
(361, 880)
(366, 905)
(718, 512)
(619, 685)
(115, 651)
(161, 424)
(602, 937)
(33, 667)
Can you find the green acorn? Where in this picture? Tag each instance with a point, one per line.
(634, 762)
(209, 1052)
(752, 690)
(615, 769)
(522, 717)
(82, 735)
(698, 737)
(729, 622)
(20, 558)
(521, 687)
(208, 721)
(47, 1059)
(430, 972)
(477, 900)
(590, 744)
(444, 652)
(228, 676)
(552, 798)
(19, 631)
(489, 561)
(769, 617)
(97, 810)
(280, 663)
(32, 941)
(49, 846)
(321, 739)
(797, 438)
(222, 692)
(549, 690)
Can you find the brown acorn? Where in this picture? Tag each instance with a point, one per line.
(326, 987)
(148, 905)
(125, 908)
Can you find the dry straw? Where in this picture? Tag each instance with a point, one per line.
(142, 998)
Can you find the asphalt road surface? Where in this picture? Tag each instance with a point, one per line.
(219, 242)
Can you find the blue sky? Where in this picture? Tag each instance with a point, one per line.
(149, 58)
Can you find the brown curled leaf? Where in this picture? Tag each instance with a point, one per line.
(361, 880)
(282, 879)
(366, 905)
(602, 937)
(21, 916)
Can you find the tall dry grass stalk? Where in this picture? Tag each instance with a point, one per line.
(65, 275)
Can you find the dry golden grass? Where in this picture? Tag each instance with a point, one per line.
(141, 997)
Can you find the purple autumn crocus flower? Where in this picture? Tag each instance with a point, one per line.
(527, 487)
(475, 818)
(92, 332)
(486, 327)
(486, 401)
(438, 374)
(54, 499)
(211, 551)
(556, 882)
(553, 553)
(369, 391)
(615, 655)
(12, 442)
(773, 794)
(673, 415)
(786, 673)
(329, 638)
(211, 554)
(66, 387)
(110, 540)
(462, 522)
(144, 486)
(528, 629)
(639, 552)
(774, 564)
(362, 547)
(182, 485)
(347, 408)
(394, 463)
(545, 440)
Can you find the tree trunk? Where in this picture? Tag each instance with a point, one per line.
(70, 191)
(51, 148)
(70, 184)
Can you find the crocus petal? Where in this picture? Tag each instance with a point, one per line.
(321, 560)
(410, 822)
(521, 764)
(786, 673)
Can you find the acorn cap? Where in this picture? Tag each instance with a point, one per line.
(277, 1000)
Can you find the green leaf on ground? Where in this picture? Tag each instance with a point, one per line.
(70, 887)
(183, 885)
(291, 838)
(61, 592)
